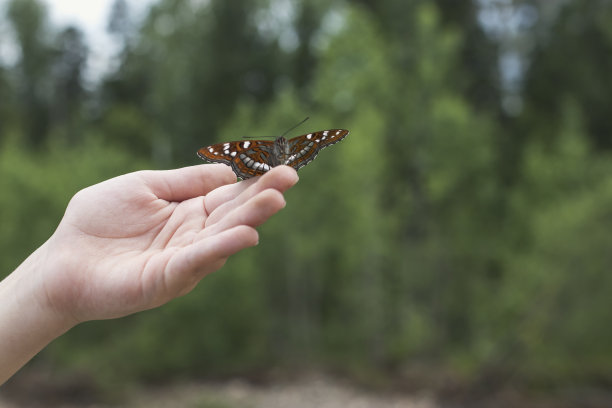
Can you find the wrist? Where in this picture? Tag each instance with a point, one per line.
(28, 320)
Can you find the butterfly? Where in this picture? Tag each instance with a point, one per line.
(250, 158)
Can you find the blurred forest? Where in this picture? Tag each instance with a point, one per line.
(462, 230)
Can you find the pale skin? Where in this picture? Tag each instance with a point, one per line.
(129, 244)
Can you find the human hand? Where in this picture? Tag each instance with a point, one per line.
(139, 240)
(129, 244)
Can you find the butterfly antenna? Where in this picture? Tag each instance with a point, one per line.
(274, 137)
(259, 137)
(290, 129)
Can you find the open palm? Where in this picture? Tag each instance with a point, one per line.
(136, 241)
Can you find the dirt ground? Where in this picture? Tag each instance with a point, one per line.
(320, 392)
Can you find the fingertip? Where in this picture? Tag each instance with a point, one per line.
(224, 172)
(271, 199)
(222, 245)
(281, 177)
(249, 235)
(289, 174)
(259, 208)
(236, 239)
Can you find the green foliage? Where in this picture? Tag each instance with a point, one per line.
(562, 283)
(37, 186)
(441, 232)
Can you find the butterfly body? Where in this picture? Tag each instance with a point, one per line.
(250, 158)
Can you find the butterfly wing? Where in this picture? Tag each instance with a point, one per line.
(253, 158)
(303, 149)
(248, 158)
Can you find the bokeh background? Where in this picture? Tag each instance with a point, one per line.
(460, 238)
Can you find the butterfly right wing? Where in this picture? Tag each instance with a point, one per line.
(305, 148)
(248, 158)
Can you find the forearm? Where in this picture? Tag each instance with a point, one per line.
(27, 323)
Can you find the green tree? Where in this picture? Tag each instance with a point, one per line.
(562, 279)
(28, 19)
(7, 103)
(69, 93)
(119, 22)
(205, 57)
(581, 32)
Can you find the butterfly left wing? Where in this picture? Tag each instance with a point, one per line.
(248, 158)
(303, 149)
